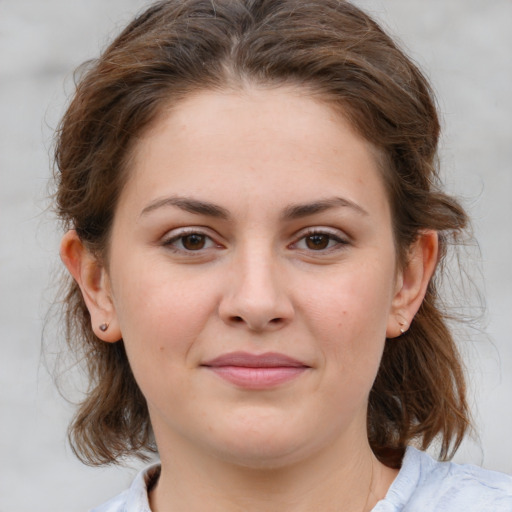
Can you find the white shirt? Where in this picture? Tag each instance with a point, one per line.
(422, 485)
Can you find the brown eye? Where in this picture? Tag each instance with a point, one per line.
(317, 242)
(189, 242)
(193, 242)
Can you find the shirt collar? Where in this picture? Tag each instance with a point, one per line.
(137, 497)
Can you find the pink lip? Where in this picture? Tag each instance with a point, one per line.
(256, 371)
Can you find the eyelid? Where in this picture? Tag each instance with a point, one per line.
(337, 235)
(175, 234)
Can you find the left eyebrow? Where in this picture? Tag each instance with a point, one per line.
(299, 211)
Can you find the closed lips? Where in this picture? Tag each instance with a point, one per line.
(244, 359)
(256, 371)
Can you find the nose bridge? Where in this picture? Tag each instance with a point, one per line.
(256, 295)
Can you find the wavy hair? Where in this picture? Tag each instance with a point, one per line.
(333, 50)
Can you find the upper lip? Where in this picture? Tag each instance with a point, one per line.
(248, 360)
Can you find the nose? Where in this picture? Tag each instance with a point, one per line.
(256, 296)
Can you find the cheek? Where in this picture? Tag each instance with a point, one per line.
(347, 315)
(358, 298)
(160, 315)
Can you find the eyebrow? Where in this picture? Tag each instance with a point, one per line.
(298, 211)
(291, 212)
(189, 205)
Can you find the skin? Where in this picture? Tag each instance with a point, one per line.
(255, 273)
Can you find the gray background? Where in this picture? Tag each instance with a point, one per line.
(465, 47)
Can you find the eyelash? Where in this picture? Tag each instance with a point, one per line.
(339, 241)
(182, 235)
(171, 242)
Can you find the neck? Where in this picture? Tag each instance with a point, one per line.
(353, 482)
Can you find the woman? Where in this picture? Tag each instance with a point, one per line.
(254, 225)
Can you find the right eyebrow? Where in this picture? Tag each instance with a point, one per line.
(189, 205)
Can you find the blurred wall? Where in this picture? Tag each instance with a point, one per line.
(465, 48)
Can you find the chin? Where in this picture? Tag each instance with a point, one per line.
(259, 456)
(267, 446)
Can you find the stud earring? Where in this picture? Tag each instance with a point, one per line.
(402, 325)
(104, 327)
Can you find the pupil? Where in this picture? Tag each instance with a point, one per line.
(317, 241)
(193, 242)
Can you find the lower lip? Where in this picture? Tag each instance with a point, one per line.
(257, 378)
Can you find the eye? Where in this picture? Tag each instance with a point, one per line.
(193, 242)
(319, 241)
(190, 241)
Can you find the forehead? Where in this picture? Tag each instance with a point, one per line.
(272, 141)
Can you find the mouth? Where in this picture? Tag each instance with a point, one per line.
(256, 371)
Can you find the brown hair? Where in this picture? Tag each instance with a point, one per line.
(332, 49)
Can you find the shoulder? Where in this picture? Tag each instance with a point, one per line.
(134, 499)
(466, 487)
(428, 485)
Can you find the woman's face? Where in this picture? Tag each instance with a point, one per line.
(253, 275)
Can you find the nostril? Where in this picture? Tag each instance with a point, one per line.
(240, 320)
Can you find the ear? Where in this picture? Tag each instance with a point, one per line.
(412, 282)
(94, 284)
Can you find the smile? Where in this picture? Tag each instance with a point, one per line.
(252, 371)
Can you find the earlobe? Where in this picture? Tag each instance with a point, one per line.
(94, 284)
(413, 282)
